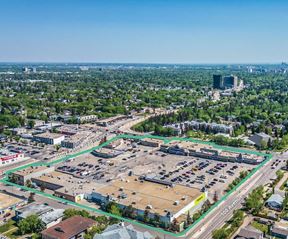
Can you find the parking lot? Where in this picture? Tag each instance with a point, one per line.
(210, 175)
(30, 149)
(139, 160)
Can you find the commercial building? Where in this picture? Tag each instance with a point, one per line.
(151, 142)
(68, 129)
(22, 176)
(48, 126)
(226, 82)
(111, 120)
(63, 185)
(49, 138)
(120, 231)
(217, 82)
(8, 157)
(74, 141)
(87, 118)
(114, 144)
(18, 131)
(73, 227)
(47, 214)
(106, 153)
(209, 152)
(151, 198)
(230, 82)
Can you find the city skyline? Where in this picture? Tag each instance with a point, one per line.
(167, 32)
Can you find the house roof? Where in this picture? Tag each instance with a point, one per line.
(52, 216)
(250, 232)
(68, 228)
(275, 198)
(33, 208)
(46, 213)
(257, 138)
(119, 231)
(279, 230)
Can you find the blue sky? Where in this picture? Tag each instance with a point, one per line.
(158, 31)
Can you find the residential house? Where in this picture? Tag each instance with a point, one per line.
(73, 227)
(120, 231)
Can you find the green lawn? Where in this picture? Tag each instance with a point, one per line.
(7, 226)
(283, 186)
(261, 227)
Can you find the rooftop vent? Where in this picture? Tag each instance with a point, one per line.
(149, 206)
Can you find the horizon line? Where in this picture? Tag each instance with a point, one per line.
(143, 63)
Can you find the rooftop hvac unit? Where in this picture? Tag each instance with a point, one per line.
(149, 206)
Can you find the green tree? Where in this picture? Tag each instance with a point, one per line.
(220, 234)
(30, 224)
(31, 124)
(70, 212)
(113, 209)
(254, 201)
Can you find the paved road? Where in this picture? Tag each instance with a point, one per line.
(217, 218)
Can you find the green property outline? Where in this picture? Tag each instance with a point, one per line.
(127, 136)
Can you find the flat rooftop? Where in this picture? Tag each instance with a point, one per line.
(152, 140)
(197, 147)
(6, 152)
(33, 208)
(69, 184)
(108, 151)
(77, 136)
(189, 145)
(32, 169)
(7, 201)
(140, 194)
(111, 118)
(49, 135)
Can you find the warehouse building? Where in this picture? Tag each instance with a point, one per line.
(22, 176)
(74, 141)
(106, 153)
(156, 198)
(49, 138)
(151, 142)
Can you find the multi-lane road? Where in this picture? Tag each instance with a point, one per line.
(224, 211)
(217, 218)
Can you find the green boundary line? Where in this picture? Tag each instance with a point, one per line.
(126, 136)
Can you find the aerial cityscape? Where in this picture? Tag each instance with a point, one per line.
(143, 120)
